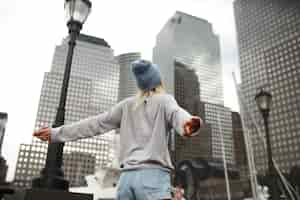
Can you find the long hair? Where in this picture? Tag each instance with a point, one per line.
(142, 95)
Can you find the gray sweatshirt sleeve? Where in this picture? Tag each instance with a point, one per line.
(89, 127)
(176, 116)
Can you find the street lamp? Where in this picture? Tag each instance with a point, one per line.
(264, 100)
(52, 177)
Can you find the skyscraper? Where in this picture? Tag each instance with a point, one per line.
(216, 117)
(3, 121)
(93, 88)
(3, 165)
(207, 145)
(187, 96)
(188, 53)
(187, 87)
(269, 50)
(192, 40)
(127, 84)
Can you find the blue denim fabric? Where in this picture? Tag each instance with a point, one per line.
(144, 184)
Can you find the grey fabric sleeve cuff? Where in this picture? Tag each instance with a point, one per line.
(54, 135)
(182, 116)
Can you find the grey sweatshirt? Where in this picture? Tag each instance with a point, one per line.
(144, 130)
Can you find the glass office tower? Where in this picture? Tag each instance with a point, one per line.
(193, 40)
(187, 96)
(93, 89)
(269, 50)
(187, 43)
(216, 117)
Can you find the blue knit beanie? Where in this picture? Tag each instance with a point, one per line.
(147, 75)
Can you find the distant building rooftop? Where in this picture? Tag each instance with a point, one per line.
(92, 39)
(192, 16)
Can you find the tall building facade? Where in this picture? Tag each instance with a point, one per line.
(269, 50)
(207, 146)
(216, 117)
(3, 165)
(3, 122)
(193, 40)
(127, 84)
(188, 43)
(187, 96)
(93, 89)
(239, 145)
(219, 117)
(78, 165)
(187, 87)
(32, 157)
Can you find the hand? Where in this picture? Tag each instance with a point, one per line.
(43, 134)
(178, 193)
(192, 126)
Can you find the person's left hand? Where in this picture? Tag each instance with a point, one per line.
(192, 126)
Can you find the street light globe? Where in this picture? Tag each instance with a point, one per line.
(263, 100)
(77, 10)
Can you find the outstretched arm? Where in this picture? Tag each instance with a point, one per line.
(89, 127)
(183, 122)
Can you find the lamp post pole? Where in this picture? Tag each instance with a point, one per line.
(52, 176)
(263, 100)
(271, 168)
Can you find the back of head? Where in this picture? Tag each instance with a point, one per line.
(147, 75)
(148, 79)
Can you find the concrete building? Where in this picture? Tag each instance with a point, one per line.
(269, 52)
(93, 89)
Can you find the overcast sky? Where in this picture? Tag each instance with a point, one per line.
(30, 31)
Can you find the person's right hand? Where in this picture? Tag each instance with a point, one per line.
(43, 134)
(192, 126)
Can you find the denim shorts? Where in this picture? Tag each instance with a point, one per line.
(144, 184)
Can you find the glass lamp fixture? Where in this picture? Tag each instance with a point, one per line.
(77, 10)
(263, 100)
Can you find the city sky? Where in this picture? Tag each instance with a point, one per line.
(30, 32)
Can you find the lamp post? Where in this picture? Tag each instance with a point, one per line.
(52, 176)
(263, 100)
